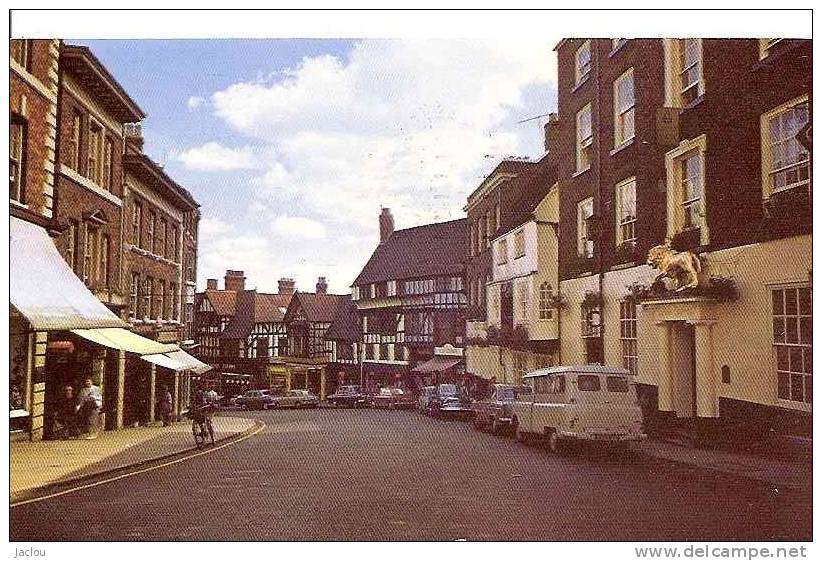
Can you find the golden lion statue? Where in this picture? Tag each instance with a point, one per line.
(675, 265)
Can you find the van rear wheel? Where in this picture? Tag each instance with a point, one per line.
(555, 444)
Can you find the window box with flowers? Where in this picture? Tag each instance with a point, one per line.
(719, 289)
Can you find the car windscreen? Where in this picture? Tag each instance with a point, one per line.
(447, 389)
(522, 390)
(588, 383)
(617, 384)
(506, 393)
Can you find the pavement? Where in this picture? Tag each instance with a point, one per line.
(38, 465)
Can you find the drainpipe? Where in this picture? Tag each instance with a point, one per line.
(600, 220)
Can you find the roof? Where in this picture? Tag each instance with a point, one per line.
(152, 174)
(579, 369)
(527, 191)
(252, 308)
(345, 326)
(318, 308)
(223, 301)
(424, 251)
(504, 167)
(94, 76)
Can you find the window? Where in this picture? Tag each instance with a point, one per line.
(384, 354)
(71, 245)
(502, 252)
(766, 45)
(546, 294)
(152, 224)
(172, 244)
(624, 108)
(355, 293)
(617, 43)
(95, 153)
(88, 254)
(585, 245)
(483, 231)
(105, 248)
(148, 291)
(490, 228)
(588, 383)
(175, 302)
(162, 238)
(108, 170)
(391, 288)
(627, 334)
(134, 296)
(21, 52)
(583, 62)
(690, 70)
(522, 301)
(74, 141)
(785, 162)
(136, 223)
(519, 244)
(626, 210)
(685, 177)
(18, 131)
(157, 300)
(792, 341)
(369, 352)
(472, 240)
(585, 138)
(617, 384)
(691, 190)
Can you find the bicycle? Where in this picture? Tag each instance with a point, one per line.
(201, 425)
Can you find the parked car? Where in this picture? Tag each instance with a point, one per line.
(348, 396)
(493, 412)
(449, 401)
(294, 398)
(579, 403)
(393, 398)
(256, 399)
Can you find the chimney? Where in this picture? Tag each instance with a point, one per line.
(234, 280)
(552, 132)
(134, 138)
(211, 284)
(386, 224)
(286, 286)
(322, 286)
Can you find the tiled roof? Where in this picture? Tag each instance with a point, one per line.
(345, 326)
(424, 251)
(525, 192)
(318, 308)
(252, 308)
(504, 167)
(223, 301)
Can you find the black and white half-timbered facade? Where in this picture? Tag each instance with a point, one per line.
(410, 299)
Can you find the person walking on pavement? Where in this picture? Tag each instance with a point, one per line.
(166, 405)
(89, 403)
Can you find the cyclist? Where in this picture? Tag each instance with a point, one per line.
(201, 412)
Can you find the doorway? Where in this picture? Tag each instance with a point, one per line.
(683, 369)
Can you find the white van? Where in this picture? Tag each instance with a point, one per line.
(590, 402)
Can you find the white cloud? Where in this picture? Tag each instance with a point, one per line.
(298, 226)
(213, 156)
(214, 226)
(413, 125)
(195, 102)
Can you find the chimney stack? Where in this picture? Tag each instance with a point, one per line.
(211, 284)
(386, 224)
(286, 286)
(551, 132)
(235, 280)
(322, 285)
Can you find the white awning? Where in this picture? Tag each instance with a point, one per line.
(43, 287)
(124, 340)
(189, 361)
(165, 361)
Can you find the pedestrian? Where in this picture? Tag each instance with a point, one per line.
(65, 422)
(89, 403)
(166, 405)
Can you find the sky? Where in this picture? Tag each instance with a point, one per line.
(292, 147)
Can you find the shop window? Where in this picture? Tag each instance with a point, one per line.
(546, 294)
(793, 343)
(628, 334)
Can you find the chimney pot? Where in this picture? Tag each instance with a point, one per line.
(211, 284)
(322, 285)
(286, 286)
(234, 280)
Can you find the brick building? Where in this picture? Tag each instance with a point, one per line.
(697, 142)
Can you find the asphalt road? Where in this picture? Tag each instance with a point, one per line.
(328, 474)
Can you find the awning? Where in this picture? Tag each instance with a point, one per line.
(436, 364)
(43, 287)
(188, 362)
(164, 361)
(124, 340)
